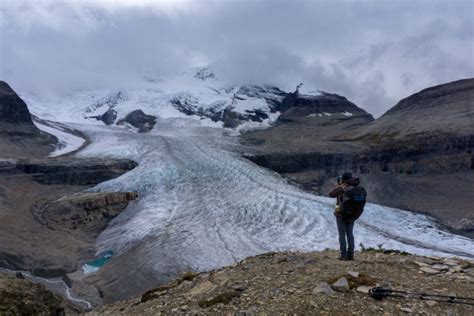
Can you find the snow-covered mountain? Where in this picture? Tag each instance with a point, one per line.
(198, 95)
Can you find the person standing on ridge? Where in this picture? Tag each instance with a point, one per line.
(350, 204)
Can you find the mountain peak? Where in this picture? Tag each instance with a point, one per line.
(437, 96)
(12, 108)
(446, 108)
(205, 73)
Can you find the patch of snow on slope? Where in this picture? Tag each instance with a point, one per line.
(251, 104)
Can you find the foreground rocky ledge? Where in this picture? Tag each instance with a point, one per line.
(309, 284)
(19, 296)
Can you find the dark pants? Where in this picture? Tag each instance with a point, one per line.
(345, 229)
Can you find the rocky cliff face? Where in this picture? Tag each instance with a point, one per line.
(18, 135)
(425, 141)
(88, 212)
(48, 224)
(73, 171)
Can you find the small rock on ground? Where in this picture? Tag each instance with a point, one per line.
(341, 285)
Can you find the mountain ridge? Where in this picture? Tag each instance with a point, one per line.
(427, 141)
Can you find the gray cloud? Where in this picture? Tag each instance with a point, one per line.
(373, 52)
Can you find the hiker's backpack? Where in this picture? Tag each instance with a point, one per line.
(353, 202)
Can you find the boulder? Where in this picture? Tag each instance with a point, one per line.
(202, 288)
(323, 288)
(353, 274)
(429, 270)
(451, 262)
(341, 285)
(440, 267)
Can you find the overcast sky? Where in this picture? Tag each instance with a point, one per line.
(373, 52)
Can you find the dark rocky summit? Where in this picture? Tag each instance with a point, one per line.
(18, 135)
(108, 117)
(310, 124)
(418, 156)
(296, 106)
(14, 111)
(143, 122)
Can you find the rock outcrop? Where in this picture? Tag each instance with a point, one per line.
(88, 212)
(143, 122)
(418, 156)
(108, 117)
(74, 171)
(19, 137)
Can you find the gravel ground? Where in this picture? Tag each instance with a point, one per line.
(299, 284)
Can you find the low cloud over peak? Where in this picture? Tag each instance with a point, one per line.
(373, 52)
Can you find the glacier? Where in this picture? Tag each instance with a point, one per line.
(201, 202)
(202, 205)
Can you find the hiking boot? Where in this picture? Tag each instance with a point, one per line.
(343, 258)
(350, 256)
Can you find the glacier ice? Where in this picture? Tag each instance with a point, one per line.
(203, 205)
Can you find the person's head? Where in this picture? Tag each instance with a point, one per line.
(346, 176)
(341, 179)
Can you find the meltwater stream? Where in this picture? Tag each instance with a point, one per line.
(202, 206)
